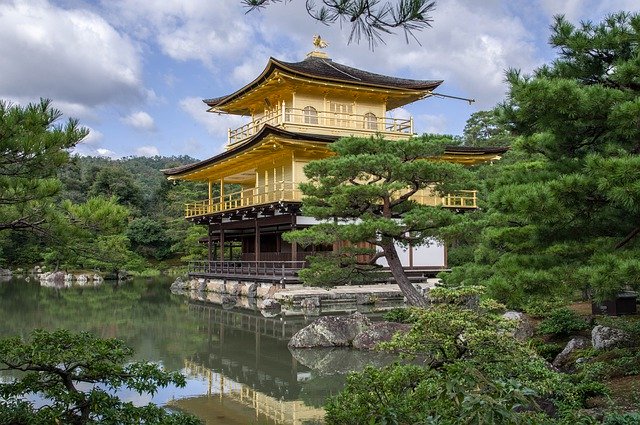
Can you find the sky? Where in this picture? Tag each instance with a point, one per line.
(135, 72)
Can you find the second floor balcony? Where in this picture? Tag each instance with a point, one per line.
(286, 191)
(309, 120)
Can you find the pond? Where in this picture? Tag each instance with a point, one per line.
(238, 367)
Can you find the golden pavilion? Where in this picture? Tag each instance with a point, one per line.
(294, 111)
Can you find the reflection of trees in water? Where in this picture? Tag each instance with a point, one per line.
(142, 312)
(243, 345)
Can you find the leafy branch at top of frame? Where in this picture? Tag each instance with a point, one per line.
(369, 19)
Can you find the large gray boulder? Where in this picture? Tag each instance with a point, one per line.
(565, 357)
(523, 329)
(603, 337)
(330, 331)
(378, 332)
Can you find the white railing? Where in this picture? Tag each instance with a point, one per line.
(323, 122)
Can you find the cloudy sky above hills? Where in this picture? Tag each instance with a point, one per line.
(135, 72)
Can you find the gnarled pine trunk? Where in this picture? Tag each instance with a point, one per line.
(395, 265)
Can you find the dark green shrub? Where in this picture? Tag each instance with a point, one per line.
(547, 350)
(562, 322)
(622, 419)
(398, 315)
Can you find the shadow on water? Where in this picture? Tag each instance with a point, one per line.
(237, 363)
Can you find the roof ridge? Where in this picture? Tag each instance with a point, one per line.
(339, 70)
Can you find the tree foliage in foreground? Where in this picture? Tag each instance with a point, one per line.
(465, 368)
(77, 375)
(364, 194)
(564, 215)
(369, 19)
(33, 147)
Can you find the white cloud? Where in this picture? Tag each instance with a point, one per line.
(194, 30)
(430, 124)
(147, 151)
(106, 152)
(90, 144)
(73, 56)
(94, 138)
(470, 47)
(140, 121)
(216, 124)
(192, 147)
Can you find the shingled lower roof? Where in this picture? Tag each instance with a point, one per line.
(325, 69)
(268, 130)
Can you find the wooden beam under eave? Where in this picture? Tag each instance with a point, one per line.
(261, 155)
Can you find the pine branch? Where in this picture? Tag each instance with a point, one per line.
(369, 19)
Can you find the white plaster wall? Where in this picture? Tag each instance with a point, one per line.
(431, 255)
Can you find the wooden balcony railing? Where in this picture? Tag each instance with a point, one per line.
(278, 191)
(288, 192)
(324, 122)
(274, 269)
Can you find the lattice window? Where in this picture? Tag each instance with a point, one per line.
(310, 115)
(370, 121)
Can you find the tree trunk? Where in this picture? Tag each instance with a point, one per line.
(395, 265)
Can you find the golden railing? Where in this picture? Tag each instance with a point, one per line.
(288, 192)
(458, 199)
(324, 121)
(278, 191)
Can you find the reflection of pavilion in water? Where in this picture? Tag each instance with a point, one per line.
(267, 409)
(247, 360)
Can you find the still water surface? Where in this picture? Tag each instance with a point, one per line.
(238, 367)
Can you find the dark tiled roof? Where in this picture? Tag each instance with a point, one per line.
(326, 69)
(250, 142)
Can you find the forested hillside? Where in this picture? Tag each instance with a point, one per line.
(112, 214)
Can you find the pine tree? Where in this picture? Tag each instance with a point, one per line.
(363, 195)
(564, 215)
(33, 148)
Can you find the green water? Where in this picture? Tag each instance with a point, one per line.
(238, 367)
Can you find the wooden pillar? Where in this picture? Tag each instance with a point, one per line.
(221, 243)
(294, 245)
(257, 240)
(210, 196)
(221, 194)
(209, 242)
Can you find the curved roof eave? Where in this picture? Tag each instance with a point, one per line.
(252, 141)
(273, 64)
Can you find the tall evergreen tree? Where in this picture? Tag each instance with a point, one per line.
(33, 147)
(564, 216)
(364, 195)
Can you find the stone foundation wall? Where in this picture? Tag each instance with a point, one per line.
(227, 287)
